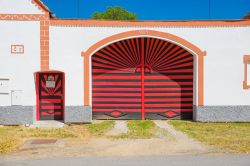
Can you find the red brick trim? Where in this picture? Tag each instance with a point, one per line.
(44, 44)
(246, 60)
(41, 6)
(24, 17)
(104, 23)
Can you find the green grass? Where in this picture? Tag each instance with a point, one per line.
(232, 137)
(139, 130)
(12, 136)
(52, 133)
(99, 129)
(8, 140)
(8, 144)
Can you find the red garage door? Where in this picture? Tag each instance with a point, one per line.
(142, 78)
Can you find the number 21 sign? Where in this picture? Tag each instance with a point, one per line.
(17, 49)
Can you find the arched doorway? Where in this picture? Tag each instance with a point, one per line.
(142, 78)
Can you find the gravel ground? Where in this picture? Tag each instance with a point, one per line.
(119, 128)
(175, 143)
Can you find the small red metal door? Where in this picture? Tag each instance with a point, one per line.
(50, 95)
(142, 78)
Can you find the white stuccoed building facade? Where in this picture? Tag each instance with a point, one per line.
(32, 40)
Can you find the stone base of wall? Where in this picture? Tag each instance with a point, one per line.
(20, 115)
(78, 114)
(222, 114)
(17, 115)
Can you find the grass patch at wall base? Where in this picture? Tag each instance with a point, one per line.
(98, 129)
(139, 129)
(232, 137)
(13, 136)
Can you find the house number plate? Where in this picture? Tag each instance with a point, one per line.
(17, 49)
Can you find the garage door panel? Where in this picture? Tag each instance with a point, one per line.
(175, 77)
(142, 76)
(115, 94)
(160, 113)
(172, 99)
(167, 94)
(113, 83)
(119, 90)
(172, 83)
(115, 99)
(108, 59)
(124, 110)
(170, 72)
(117, 78)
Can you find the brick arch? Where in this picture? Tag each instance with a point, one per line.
(136, 33)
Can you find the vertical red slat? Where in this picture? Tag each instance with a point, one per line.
(142, 79)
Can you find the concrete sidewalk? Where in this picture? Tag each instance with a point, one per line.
(176, 160)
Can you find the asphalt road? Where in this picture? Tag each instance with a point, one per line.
(174, 160)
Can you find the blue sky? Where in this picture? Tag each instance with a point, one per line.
(154, 9)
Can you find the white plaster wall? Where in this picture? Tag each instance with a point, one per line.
(65, 55)
(18, 7)
(224, 69)
(19, 68)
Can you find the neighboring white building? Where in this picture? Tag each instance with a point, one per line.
(122, 69)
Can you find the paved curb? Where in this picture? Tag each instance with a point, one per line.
(119, 128)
